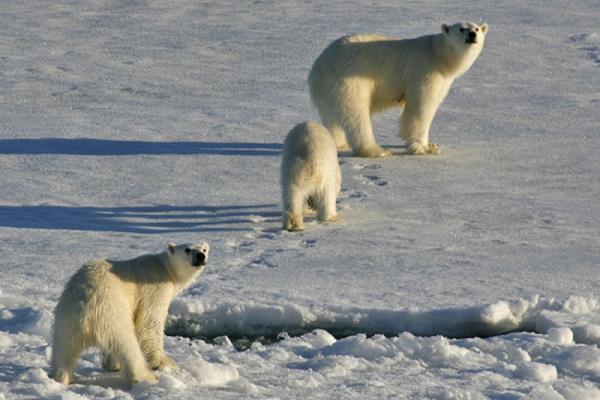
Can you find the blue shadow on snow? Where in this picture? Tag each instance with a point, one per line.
(145, 219)
(106, 147)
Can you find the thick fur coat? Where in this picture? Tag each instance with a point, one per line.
(357, 76)
(309, 170)
(121, 308)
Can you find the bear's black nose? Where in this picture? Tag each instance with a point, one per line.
(472, 35)
(200, 257)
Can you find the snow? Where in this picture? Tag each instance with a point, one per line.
(128, 124)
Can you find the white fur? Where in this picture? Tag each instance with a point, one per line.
(309, 168)
(357, 76)
(121, 307)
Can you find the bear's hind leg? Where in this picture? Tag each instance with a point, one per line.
(121, 343)
(293, 208)
(360, 134)
(150, 331)
(331, 120)
(110, 362)
(310, 206)
(339, 136)
(327, 204)
(65, 351)
(293, 222)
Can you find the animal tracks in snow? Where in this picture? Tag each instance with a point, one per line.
(265, 259)
(363, 166)
(369, 178)
(261, 248)
(591, 45)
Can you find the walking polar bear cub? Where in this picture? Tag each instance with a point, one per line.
(357, 76)
(121, 307)
(309, 170)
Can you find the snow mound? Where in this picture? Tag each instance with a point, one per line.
(562, 335)
(209, 374)
(535, 361)
(538, 372)
(27, 320)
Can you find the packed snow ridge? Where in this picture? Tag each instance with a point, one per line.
(192, 318)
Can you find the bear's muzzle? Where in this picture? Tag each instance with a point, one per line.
(199, 260)
(471, 37)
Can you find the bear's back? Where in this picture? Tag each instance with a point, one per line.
(363, 38)
(368, 58)
(87, 284)
(306, 140)
(308, 151)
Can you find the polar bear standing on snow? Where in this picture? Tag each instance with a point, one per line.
(121, 307)
(309, 169)
(357, 76)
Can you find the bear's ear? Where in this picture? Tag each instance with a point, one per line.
(484, 27)
(171, 247)
(445, 29)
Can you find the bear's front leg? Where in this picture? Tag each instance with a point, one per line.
(161, 362)
(416, 121)
(417, 117)
(420, 149)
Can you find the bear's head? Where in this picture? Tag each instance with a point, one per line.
(186, 260)
(465, 35)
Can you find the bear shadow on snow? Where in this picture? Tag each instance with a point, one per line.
(144, 219)
(108, 147)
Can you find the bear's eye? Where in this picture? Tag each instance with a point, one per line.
(476, 29)
(187, 251)
(462, 29)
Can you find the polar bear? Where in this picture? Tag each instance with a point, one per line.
(121, 307)
(310, 173)
(357, 76)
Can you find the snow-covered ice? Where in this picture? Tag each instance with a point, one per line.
(128, 124)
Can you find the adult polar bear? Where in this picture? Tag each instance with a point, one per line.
(121, 307)
(357, 76)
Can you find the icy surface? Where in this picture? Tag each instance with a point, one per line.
(128, 124)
